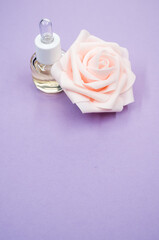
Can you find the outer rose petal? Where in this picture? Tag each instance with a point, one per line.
(90, 87)
(89, 107)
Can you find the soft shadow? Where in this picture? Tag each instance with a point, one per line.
(99, 116)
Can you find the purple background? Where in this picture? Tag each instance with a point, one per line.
(68, 176)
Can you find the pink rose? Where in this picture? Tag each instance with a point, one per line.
(96, 75)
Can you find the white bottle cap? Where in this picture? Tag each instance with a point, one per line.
(48, 53)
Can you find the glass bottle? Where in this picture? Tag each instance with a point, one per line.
(48, 51)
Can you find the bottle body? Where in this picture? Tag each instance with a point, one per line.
(42, 78)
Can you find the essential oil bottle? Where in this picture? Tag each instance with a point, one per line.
(48, 51)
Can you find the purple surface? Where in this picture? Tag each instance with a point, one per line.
(68, 176)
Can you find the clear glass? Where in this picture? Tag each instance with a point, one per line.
(45, 27)
(41, 75)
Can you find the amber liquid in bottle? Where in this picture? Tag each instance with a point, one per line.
(41, 75)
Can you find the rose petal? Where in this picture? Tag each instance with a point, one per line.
(83, 36)
(90, 107)
(76, 74)
(102, 73)
(76, 97)
(86, 74)
(127, 97)
(103, 83)
(130, 81)
(66, 84)
(114, 96)
(117, 105)
(56, 71)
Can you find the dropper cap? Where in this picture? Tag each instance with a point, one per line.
(47, 43)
